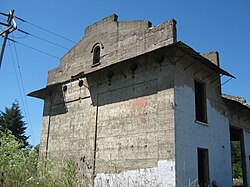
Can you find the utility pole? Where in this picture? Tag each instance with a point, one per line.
(9, 28)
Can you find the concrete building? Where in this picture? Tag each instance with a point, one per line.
(135, 107)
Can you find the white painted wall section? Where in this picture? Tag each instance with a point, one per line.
(163, 176)
(191, 135)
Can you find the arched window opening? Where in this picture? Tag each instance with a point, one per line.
(96, 55)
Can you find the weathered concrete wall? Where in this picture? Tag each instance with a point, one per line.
(112, 119)
(68, 127)
(237, 114)
(135, 121)
(238, 117)
(118, 40)
(123, 118)
(190, 134)
(213, 56)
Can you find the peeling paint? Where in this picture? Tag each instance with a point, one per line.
(191, 135)
(162, 175)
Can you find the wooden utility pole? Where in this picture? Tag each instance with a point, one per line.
(9, 28)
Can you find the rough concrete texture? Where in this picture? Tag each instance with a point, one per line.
(213, 56)
(115, 124)
(118, 40)
(130, 119)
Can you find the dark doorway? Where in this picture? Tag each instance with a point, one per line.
(238, 157)
(203, 167)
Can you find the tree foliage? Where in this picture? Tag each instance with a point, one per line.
(12, 120)
(21, 166)
(17, 164)
(236, 159)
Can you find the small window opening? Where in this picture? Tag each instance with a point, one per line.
(96, 55)
(203, 167)
(65, 88)
(80, 84)
(200, 102)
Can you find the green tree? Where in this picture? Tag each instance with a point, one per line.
(12, 120)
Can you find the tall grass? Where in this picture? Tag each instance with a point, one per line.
(20, 167)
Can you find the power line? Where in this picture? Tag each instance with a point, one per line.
(35, 49)
(20, 91)
(4, 14)
(40, 38)
(22, 86)
(34, 25)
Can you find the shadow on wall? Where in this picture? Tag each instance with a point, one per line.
(134, 78)
(54, 101)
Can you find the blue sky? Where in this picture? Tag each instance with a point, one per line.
(223, 26)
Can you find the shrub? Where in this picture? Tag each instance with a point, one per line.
(20, 167)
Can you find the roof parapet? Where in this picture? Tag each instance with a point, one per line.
(241, 100)
(120, 40)
(109, 19)
(213, 56)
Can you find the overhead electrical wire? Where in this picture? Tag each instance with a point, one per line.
(29, 34)
(34, 25)
(22, 86)
(40, 38)
(21, 92)
(19, 78)
(35, 49)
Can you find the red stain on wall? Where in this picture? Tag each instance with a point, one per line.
(140, 102)
(139, 105)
